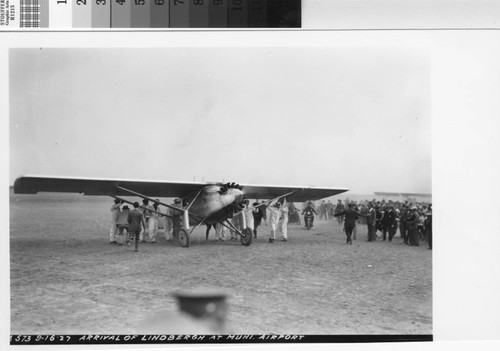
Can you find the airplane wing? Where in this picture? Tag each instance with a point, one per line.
(379, 193)
(113, 187)
(104, 187)
(298, 193)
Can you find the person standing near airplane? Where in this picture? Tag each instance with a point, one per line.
(329, 209)
(428, 226)
(403, 228)
(351, 215)
(421, 224)
(248, 215)
(146, 211)
(370, 222)
(412, 222)
(169, 225)
(113, 230)
(284, 222)
(236, 222)
(355, 229)
(339, 208)
(274, 217)
(122, 225)
(207, 231)
(379, 215)
(263, 207)
(136, 223)
(392, 219)
(258, 214)
(220, 232)
(153, 223)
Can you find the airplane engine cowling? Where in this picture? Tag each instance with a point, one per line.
(219, 201)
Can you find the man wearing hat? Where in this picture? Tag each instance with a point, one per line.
(169, 225)
(154, 221)
(351, 216)
(403, 227)
(284, 219)
(136, 223)
(412, 223)
(122, 225)
(392, 223)
(258, 215)
(146, 212)
(115, 211)
(274, 218)
(370, 222)
(379, 214)
(428, 226)
(339, 208)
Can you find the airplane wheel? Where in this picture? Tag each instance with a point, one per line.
(183, 238)
(246, 238)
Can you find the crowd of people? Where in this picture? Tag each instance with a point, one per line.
(413, 220)
(383, 219)
(141, 223)
(274, 216)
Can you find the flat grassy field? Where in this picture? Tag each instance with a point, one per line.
(67, 279)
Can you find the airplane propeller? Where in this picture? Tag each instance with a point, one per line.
(225, 187)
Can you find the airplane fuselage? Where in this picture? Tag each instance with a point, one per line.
(214, 204)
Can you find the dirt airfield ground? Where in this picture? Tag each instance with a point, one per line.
(67, 279)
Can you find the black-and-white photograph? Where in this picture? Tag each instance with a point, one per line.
(264, 190)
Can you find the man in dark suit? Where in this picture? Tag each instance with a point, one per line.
(258, 215)
(378, 221)
(428, 227)
(403, 227)
(370, 221)
(392, 222)
(136, 223)
(351, 215)
(412, 222)
(339, 208)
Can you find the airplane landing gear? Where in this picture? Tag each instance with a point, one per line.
(183, 237)
(246, 237)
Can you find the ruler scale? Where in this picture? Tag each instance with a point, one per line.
(198, 14)
(140, 15)
(101, 13)
(237, 16)
(217, 13)
(159, 14)
(143, 14)
(82, 14)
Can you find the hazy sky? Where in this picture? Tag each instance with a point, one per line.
(327, 116)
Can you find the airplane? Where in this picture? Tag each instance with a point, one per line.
(203, 202)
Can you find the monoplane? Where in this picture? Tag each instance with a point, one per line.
(203, 202)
